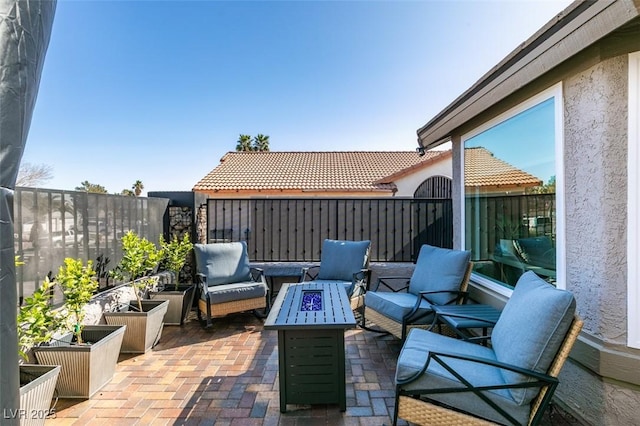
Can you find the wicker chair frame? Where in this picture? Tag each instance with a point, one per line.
(415, 406)
(216, 310)
(401, 329)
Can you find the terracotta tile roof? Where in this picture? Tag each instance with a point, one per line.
(309, 171)
(483, 169)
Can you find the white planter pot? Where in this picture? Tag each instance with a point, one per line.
(37, 386)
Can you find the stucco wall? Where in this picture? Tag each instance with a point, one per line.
(407, 185)
(596, 184)
(595, 158)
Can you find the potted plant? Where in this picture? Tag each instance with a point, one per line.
(88, 354)
(143, 317)
(36, 325)
(180, 296)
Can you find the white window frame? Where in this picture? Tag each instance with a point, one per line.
(633, 206)
(555, 92)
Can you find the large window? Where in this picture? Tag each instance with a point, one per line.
(633, 226)
(511, 206)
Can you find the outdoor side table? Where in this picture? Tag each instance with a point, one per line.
(462, 318)
(310, 319)
(272, 273)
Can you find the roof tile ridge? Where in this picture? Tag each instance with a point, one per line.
(324, 152)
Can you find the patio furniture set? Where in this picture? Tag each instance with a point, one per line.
(460, 361)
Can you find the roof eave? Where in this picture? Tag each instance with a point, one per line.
(578, 26)
(325, 190)
(411, 169)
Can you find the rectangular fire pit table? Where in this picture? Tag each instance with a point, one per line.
(310, 319)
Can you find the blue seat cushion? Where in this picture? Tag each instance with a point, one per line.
(414, 354)
(439, 269)
(341, 259)
(396, 305)
(221, 293)
(531, 328)
(223, 263)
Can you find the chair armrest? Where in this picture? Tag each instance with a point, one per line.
(312, 272)
(460, 295)
(201, 278)
(537, 380)
(489, 323)
(362, 278)
(540, 379)
(359, 283)
(413, 314)
(257, 274)
(383, 281)
(201, 286)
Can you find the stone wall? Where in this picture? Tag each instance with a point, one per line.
(181, 223)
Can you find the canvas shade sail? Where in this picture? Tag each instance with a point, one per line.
(25, 30)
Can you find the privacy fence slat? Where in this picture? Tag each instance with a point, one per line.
(292, 230)
(50, 225)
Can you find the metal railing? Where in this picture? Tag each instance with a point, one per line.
(508, 217)
(288, 229)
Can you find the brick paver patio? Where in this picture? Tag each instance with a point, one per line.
(230, 377)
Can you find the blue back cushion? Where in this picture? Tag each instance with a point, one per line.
(439, 269)
(223, 263)
(531, 329)
(537, 251)
(341, 259)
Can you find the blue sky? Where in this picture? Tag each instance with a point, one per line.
(159, 91)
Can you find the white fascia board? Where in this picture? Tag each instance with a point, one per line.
(633, 205)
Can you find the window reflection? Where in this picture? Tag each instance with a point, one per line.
(510, 203)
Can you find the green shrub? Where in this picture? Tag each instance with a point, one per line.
(175, 254)
(78, 283)
(37, 322)
(140, 258)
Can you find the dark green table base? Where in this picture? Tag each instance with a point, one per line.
(312, 367)
(311, 352)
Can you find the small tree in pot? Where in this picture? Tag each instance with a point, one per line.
(180, 297)
(175, 254)
(78, 283)
(37, 322)
(140, 258)
(88, 363)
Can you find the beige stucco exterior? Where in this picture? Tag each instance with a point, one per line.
(408, 184)
(600, 384)
(596, 138)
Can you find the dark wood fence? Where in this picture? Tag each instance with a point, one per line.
(289, 229)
